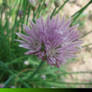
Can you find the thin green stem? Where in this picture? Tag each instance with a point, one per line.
(61, 7)
(5, 67)
(37, 69)
(69, 83)
(90, 44)
(40, 9)
(6, 84)
(82, 8)
(25, 83)
(78, 13)
(36, 13)
(81, 72)
(85, 34)
(53, 13)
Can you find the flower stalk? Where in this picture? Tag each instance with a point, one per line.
(78, 13)
(61, 7)
(37, 69)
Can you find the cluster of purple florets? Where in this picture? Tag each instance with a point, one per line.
(52, 40)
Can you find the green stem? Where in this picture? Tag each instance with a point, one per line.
(34, 15)
(81, 72)
(82, 8)
(85, 34)
(6, 84)
(40, 9)
(37, 12)
(78, 13)
(68, 83)
(90, 44)
(53, 13)
(37, 69)
(5, 67)
(61, 7)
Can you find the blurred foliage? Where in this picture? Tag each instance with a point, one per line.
(15, 67)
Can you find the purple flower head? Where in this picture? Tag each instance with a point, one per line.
(53, 40)
(20, 13)
(1, 85)
(34, 38)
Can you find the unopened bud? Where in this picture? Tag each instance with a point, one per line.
(26, 62)
(20, 13)
(57, 3)
(33, 2)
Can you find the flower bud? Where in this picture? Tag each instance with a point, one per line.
(33, 2)
(20, 13)
(57, 3)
